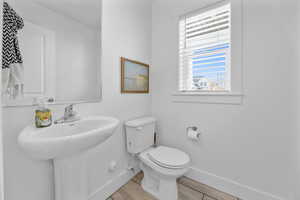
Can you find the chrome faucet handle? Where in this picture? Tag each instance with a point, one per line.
(69, 116)
(69, 108)
(69, 111)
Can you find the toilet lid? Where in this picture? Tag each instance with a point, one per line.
(169, 157)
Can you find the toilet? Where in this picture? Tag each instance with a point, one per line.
(161, 165)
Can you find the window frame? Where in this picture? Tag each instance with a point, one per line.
(235, 94)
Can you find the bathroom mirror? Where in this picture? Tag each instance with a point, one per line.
(59, 44)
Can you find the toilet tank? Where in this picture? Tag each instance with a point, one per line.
(140, 134)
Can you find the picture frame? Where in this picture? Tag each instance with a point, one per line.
(134, 76)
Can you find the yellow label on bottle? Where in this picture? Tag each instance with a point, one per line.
(43, 118)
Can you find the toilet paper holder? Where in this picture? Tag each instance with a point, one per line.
(193, 133)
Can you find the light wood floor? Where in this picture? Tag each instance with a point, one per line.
(188, 190)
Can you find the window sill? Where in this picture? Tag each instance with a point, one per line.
(208, 98)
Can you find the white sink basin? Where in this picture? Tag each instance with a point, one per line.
(66, 145)
(61, 140)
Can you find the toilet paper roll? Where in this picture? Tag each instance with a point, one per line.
(193, 135)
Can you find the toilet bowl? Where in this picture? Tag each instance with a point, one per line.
(161, 165)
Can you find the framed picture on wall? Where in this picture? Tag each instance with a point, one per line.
(134, 76)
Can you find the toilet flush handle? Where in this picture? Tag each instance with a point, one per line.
(139, 128)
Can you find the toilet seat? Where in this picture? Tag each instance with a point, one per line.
(164, 171)
(162, 166)
(169, 158)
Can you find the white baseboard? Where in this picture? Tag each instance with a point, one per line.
(112, 186)
(244, 192)
(229, 186)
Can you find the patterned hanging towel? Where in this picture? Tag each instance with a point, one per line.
(12, 63)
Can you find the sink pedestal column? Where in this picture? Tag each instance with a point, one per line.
(70, 176)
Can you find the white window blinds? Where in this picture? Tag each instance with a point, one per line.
(204, 50)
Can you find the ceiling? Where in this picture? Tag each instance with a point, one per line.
(87, 12)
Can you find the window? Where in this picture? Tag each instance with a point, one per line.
(205, 50)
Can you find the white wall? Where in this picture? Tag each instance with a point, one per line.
(248, 147)
(297, 108)
(126, 32)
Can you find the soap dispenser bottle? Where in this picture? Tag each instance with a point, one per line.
(43, 115)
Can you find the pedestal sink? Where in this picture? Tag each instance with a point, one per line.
(66, 145)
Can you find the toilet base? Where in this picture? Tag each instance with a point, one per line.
(160, 186)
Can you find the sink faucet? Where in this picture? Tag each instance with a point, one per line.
(69, 116)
